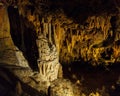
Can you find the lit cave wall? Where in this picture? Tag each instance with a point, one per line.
(48, 44)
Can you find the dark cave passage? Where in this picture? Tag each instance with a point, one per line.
(24, 37)
(15, 24)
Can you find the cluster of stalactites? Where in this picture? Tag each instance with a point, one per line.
(72, 40)
(88, 41)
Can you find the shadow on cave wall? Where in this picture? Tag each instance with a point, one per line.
(23, 35)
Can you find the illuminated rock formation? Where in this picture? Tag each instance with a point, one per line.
(48, 61)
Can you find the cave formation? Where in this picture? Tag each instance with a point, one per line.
(59, 48)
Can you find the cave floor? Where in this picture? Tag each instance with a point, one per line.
(105, 80)
(91, 79)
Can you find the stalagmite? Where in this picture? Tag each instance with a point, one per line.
(48, 61)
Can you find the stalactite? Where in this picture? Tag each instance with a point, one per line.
(50, 33)
(55, 36)
(116, 53)
(95, 31)
(58, 30)
(46, 28)
(102, 23)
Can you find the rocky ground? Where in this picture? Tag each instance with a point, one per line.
(80, 81)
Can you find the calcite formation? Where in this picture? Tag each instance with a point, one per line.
(88, 41)
(48, 61)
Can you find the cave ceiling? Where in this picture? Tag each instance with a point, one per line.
(75, 6)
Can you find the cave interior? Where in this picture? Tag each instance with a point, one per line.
(59, 48)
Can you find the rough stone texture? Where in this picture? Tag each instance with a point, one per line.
(5, 37)
(16, 63)
(10, 56)
(22, 62)
(48, 61)
(7, 54)
(63, 87)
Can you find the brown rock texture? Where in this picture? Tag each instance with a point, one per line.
(7, 54)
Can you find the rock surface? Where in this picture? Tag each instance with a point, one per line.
(6, 43)
(48, 61)
(64, 87)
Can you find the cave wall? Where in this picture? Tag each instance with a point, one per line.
(5, 29)
(91, 36)
(7, 47)
(23, 35)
